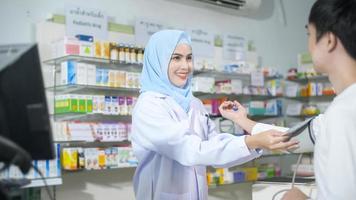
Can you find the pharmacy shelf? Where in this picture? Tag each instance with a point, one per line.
(288, 179)
(302, 116)
(241, 97)
(267, 153)
(40, 182)
(102, 62)
(229, 75)
(90, 117)
(261, 117)
(273, 77)
(230, 184)
(221, 74)
(254, 117)
(96, 170)
(94, 90)
(313, 98)
(279, 179)
(321, 78)
(84, 144)
(262, 97)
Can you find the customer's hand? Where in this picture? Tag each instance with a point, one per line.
(233, 110)
(271, 140)
(294, 194)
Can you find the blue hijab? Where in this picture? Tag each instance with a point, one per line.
(154, 76)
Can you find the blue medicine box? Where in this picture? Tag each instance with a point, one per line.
(239, 177)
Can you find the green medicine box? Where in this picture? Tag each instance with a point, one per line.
(89, 104)
(66, 104)
(257, 111)
(82, 104)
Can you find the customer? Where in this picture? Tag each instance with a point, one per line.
(332, 44)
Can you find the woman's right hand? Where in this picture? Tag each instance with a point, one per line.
(233, 110)
(271, 140)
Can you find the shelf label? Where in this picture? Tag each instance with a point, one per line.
(257, 78)
(144, 29)
(234, 47)
(202, 43)
(86, 21)
(294, 109)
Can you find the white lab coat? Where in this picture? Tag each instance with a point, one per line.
(335, 148)
(174, 147)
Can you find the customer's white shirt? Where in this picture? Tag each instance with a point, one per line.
(335, 149)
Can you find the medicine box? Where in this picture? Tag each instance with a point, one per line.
(104, 77)
(81, 74)
(68, 73)
(111, 78)
(89, 104)
(73, 73)
(82, 104)
(251, 173)
(99, 76)
(69, 158)
(120, 77)
(257, 108)
(204, 84)
(65, 46)
(86, 49)
(66, 104)
(108, 105)
(114, 105)
(91, 74)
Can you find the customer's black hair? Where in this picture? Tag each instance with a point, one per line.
(338, 17)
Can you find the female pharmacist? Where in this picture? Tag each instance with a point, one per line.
(172, 136)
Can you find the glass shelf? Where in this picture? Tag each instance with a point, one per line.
(260, 97)
(229, 75)
(260, 117)
(230, 184)
(273, 77)
(91, 117)
(302, 116)
(97, 170)
(254, 117)
(267, 153)
(287, 179)
(313, 98)
(214, 73)
(241, 97)
(102, 62)
(321, 78)
(92, 144)
(40, 183)
(92, 89)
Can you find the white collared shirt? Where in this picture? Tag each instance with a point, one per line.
(335, 148)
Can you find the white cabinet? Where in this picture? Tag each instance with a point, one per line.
(266, 190)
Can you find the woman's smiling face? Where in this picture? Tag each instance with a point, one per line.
(181, 65)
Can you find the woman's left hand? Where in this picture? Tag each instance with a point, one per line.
(233, 110)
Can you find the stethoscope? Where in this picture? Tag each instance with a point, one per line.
(311, 132)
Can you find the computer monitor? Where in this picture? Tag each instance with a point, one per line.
(24, 117)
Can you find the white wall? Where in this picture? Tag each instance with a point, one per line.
(278, 41)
